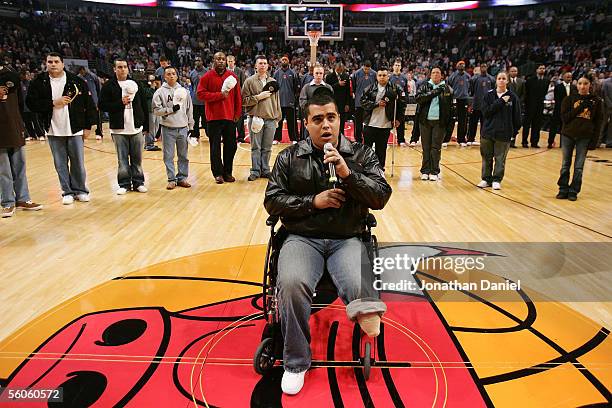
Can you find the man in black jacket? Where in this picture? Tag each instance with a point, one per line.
(435, 100)
(536, 88)
(562, 90)
(324, 222)
(380, 110)
(340, 82)
(67, 113)
(127, 109)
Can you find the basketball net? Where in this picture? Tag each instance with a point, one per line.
(313, 37)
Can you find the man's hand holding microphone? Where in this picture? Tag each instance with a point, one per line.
(335, 197)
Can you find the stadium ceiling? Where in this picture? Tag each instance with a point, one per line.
(354, 7)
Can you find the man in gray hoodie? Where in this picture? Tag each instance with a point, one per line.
(173, 105)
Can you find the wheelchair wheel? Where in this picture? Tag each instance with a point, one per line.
(367, 361)
(264, 356)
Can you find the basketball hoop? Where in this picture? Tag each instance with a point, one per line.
(313, 37)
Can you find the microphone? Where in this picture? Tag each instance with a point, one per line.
(328, 147)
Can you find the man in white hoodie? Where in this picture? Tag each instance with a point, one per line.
(173, 105)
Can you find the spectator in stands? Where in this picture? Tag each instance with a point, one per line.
(288, 83)
(172, 103)
(67, 112)
(261, 99)
(460, 82)
(223, 101)
(161, 70)
(536, 88)
(126, 104)
(199, 115)
(14, 191)
(582, 116)
(501, 111)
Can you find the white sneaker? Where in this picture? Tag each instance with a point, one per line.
(496, 185)
(142, 189)
(67, 200)
(463, 144)
(475, 143)
(424, 176)
(469, 143)
(98, 137)
(121, 191)
(292, 383)
(412, 144)
(444, 144)
(294, 142)
(193, 141)
(403, 144)
(482, 184)
(41, 138)
(433, 177)
(82, 197)
(275, 142)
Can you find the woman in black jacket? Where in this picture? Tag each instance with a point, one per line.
(501, 112)
(582, 118)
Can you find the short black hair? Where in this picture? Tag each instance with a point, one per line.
(382, 68)
(55, 54)
(260, 56)
(119, 59)
(397, 60)
(163, 58)
(319, 99)
(170, 67)
(367, 63)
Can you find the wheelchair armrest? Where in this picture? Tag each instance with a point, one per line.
(272, 220)
(371, 220)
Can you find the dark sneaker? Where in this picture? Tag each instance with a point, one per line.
(562, 195)
(253, 177)
(266, 175)
(184, 184)
(572, 196)
(171, 185)
(29, 205)
(229, 179)
(7, 211)
(219, 180)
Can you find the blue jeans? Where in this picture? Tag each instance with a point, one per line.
(69, 161)
(153, 128)
(261, 147)
(172, 137)
(13, 181)
(300, 267)
(129, 159)
(567, 145)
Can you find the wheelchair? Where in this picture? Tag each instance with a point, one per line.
(271, 347)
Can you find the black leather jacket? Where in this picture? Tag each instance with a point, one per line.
(426, 93)
(368, 102)
(299, 174)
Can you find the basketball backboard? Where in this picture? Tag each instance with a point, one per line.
(302, 18)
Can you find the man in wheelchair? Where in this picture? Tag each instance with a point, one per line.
(324, 226)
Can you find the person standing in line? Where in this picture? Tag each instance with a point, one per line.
(360, 81)
(172, 104)
(340, 83)
(479, 86)
(435, 100)
(288, 83)
(67, 112)
(242, 76)
(401, 81)
(219, 88)
(517, 85)
(14, 192)
(260, 97)
(562, 90)
(460, 82)
(582, 116)
(199, 114)
(93, 84)
(501, 111)
(126, 104)
(536, 88)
